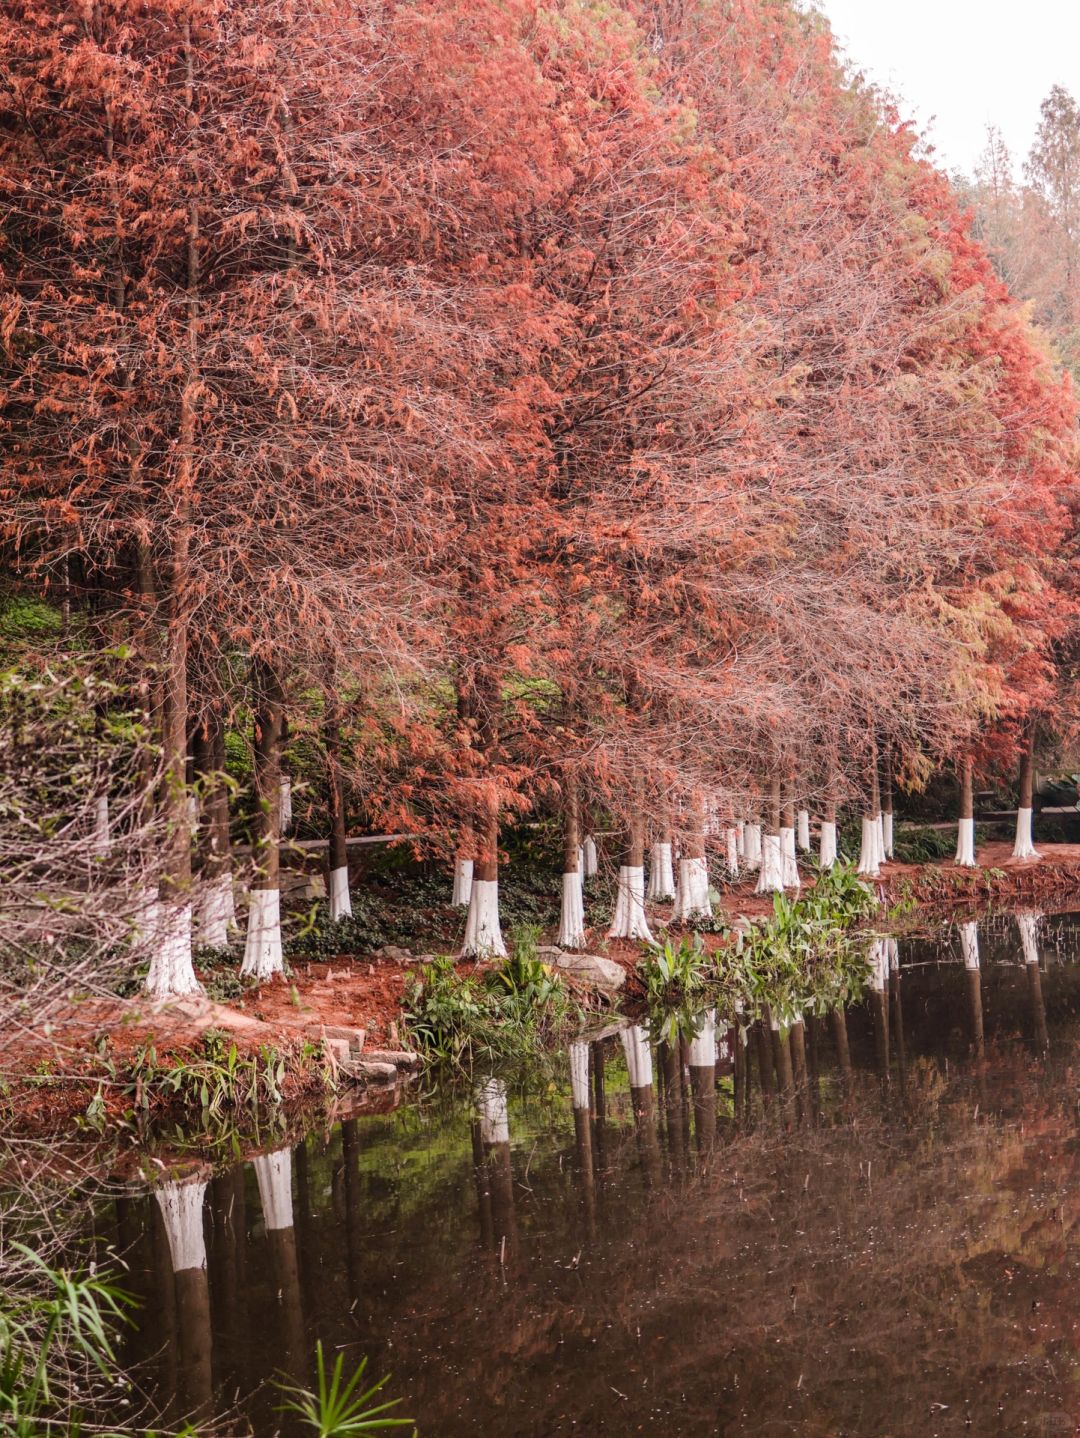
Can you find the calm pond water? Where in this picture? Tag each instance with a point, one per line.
(891, 1247)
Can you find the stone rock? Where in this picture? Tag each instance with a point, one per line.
(395, 953)
(550, 953)
(383, 1073)
(400, 1058)
(592, 969)
(353, 1039)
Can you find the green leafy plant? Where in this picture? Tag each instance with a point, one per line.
(337, 1408)
(673, 972)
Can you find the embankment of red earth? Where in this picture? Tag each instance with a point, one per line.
(111, 1058)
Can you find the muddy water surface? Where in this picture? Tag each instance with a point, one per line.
(890, 1245)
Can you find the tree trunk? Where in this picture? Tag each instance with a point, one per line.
(661, 870)
(629, 921)
(216, 910)
(788, 857)
(965, 840)
(871, 849)
(692, 900)
(887, 804)
(1024, 846)
(263, 952)
(337, 864)
(483, 935)
(827, 852)
(771, 877)
(572, 917)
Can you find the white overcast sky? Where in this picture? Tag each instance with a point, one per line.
(959, 65)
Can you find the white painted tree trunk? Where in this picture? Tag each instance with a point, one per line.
(753, 846)
(171, 974)
(661, 874)
(635, 1042)
(702, 1052)
(193, 812)
(181, 1207)
(493, 1110)
(463, 872)
(1028, 925)
(771, 877)
(102, 836)
(629, 921)
(827, 848)
(572, 915)
(965, 843)
(286, 803)
(589, 851)
(1024, 847)
(579, 1074)
(731, 838)
(273, 1173)
(802, 830)
(340, 898)
(869, 862)
(692, 900)
(483, 934)
(887, 835)
(217, 912)
(969, 945)
(789, 861)
(263, 954)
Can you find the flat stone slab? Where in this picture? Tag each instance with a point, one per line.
(339, 1034)
(592, 969)
(383, 1073)
(400, 1058)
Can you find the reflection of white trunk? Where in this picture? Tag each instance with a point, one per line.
(494, 1114)
(753, 846)
(692, 900)
(731, 837)
(771, 878)
(572, 917)
(263, 954)
(703, 1045)
(869, 863)
(1029, 936)
(661, 873)
(887, 835)
(965, 844)
(588, 850)
(181, 1207)
(340, 898)
(286, 803)
(879, 965)
(827, 850)
(802, 830)
(192, 809)
(171, 973)
(217, 912)
(969, 945)
(463, 872)
(273, 1172)
(483, 935)
(789, 863)
(1024, 847)
(635, 1042)
(892, 950)
(579, 1074)
(628, 921)
(102, 837)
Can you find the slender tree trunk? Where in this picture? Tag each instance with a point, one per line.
(887, 803)
(788, 858)
(216, 909)
(965, 840)
(263, 955)
(337, 864)
(871, 850)
(827, 852)
(692, 900)
(1024, 845)
(661, 869)
(572, 917)
(771, 877)
(629, 921)
(483, 934)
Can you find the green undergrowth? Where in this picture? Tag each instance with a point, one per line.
(807, 956)
(516, 1012)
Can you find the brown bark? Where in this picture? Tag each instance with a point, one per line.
(695, 834)
(209, 760)
(787, 810)
(337, 854)
(487, 860)
(773, 808)
(634, 856)
(269, 727)
(1027, 767)
(875, 780)
(967, 791)
(571, 823)
(886, 781)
